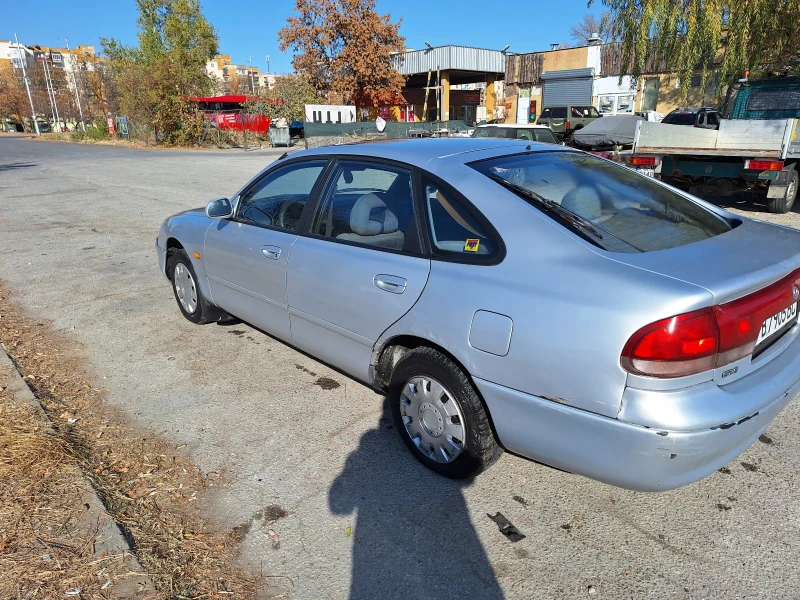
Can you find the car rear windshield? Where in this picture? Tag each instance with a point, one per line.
(619, 210)
(680, 119)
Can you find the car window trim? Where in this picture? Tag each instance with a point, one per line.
(470, 259)
(267, 173)
(420, 251)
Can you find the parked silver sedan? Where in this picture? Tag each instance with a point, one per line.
(514, 296)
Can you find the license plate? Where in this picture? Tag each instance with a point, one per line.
(649, 171)
(777, 322)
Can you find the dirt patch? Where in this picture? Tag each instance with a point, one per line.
(149, 488)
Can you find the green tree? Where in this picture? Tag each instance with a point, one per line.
(345, 47)
(155, 77)
(731, 36)
(286, 100)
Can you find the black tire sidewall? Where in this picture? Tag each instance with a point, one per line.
(180, 256)
(480, 448)
(784, 204)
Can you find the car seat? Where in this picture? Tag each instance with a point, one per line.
(373, 223)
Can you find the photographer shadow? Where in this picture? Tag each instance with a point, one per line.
(412, 536)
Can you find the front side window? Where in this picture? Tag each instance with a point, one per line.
(369, 204)
(277, 200)
(618, 209)
(454, 230)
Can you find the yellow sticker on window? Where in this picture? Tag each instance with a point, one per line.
(472, 245)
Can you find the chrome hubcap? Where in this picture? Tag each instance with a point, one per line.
(432, 418)
(185, 288)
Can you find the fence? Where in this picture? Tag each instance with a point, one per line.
(330, 134)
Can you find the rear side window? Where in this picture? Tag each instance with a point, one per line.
(455, 232)
(546, 136)
(680, 118)
(628, 212)
(545, 114)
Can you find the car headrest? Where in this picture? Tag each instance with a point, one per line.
(371, 217)
(583, 200)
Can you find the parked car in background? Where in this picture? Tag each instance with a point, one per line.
(704, 117)
(44, 127)
(11, 127)
(563, 120)
(510, 294)
(515, 131)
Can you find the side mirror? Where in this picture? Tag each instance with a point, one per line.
(219, 208)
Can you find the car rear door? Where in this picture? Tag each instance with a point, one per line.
(360, 268)
(246, 256)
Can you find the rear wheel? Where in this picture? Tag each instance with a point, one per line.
(784, 204)
(440, 416)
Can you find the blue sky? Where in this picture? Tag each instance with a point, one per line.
(250, 27)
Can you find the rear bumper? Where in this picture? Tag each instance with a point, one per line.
(622, 454)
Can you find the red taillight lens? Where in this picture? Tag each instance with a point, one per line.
(705, 339)
(763, 165)
(674, 347)
(569, 125)
(643, 161)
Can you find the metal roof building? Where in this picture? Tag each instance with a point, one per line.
(465, 64)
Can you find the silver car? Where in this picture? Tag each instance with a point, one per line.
(511, 295)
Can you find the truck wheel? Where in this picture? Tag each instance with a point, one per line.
(784, 205)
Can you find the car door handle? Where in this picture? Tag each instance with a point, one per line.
(272, 252)
(390, 283)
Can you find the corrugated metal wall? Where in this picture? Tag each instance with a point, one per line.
(573, 86)
(461, 58)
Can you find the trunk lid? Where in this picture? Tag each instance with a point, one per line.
(730, 265)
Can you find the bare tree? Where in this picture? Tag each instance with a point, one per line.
(590, 25)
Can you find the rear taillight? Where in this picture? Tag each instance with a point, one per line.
(569, 125)
(705, 339)
(674, 347)
(763, 165)
(643, 161)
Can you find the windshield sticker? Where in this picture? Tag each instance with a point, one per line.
(472, 245)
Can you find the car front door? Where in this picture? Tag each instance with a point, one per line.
(246, 256)
(360, 268)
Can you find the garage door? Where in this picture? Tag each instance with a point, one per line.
(573, 86)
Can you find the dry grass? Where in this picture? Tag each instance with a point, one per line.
(148, 486)
(46, 547)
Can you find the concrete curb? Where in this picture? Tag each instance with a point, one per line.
(109, 540)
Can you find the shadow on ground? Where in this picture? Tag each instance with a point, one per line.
(16, 165)
(404, 510)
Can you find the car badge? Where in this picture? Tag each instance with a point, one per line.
(795, 292)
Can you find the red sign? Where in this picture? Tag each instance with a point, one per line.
(111, 126)
(383, 111)
(472, 97)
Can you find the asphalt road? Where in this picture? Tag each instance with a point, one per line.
(77, 227)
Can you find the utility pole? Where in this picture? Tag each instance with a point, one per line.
(75, 85)
(268, 63)
(24, 59)
(250, 72)
(48, 77)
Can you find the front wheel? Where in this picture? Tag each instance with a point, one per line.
(187, 293)
(784, 204)
(440, 416)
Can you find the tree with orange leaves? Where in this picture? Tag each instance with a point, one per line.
(345, 47)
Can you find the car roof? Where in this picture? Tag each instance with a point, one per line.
(515, 125)
(416, 151)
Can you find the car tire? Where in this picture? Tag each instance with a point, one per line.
(784, 204)
(429, 419)
(186, 290)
